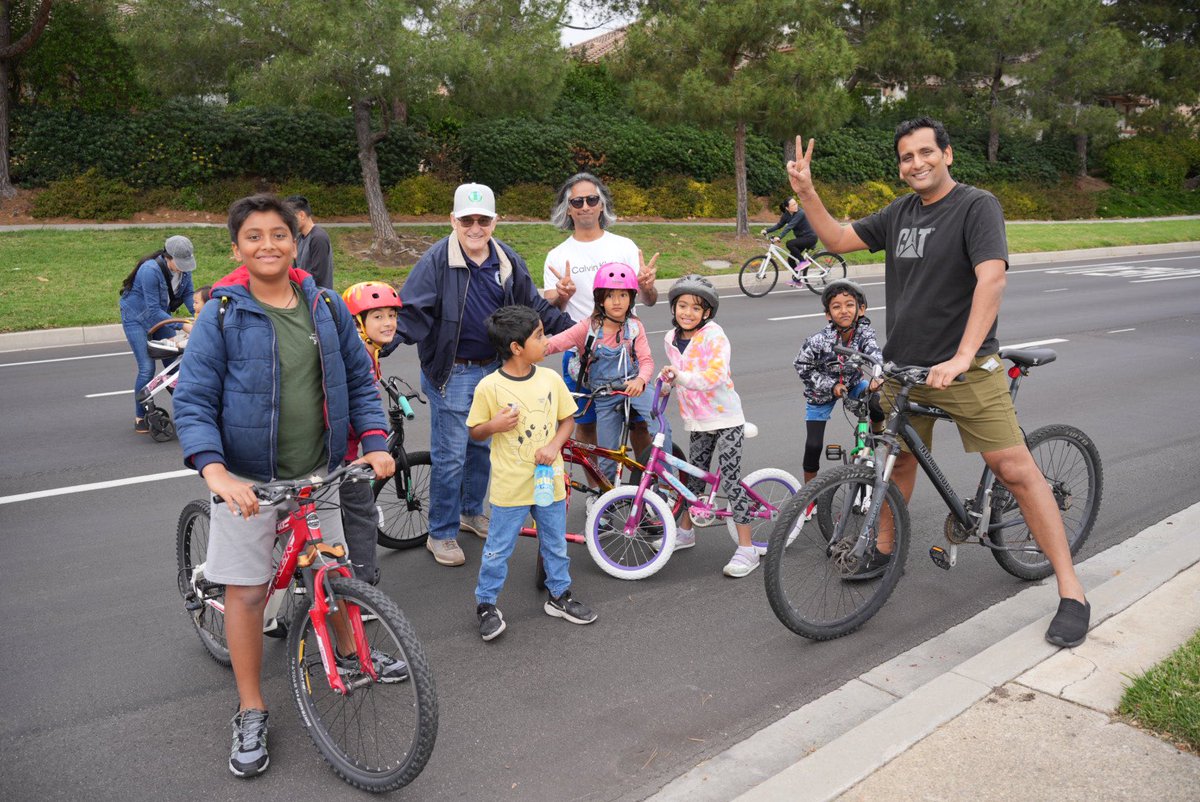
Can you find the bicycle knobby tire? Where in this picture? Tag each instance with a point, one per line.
(378, 737)
(810, 590)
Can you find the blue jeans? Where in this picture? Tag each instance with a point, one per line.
(610, 409)
(458, 477)
(136, 334)
(503, 532)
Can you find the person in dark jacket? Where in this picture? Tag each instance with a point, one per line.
(150, 294)
(792, 219)
(455, 285)
(272, 380)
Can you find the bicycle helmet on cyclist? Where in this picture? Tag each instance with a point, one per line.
(843, 285)
(364, 296)
(694, 284)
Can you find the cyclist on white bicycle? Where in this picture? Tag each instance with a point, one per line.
(793, 219)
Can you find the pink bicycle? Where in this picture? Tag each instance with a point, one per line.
(630, 531)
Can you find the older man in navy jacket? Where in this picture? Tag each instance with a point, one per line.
(454, 287)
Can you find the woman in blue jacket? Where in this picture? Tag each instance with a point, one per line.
(160, 284)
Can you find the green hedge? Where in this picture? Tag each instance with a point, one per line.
(1143, 163)
(192, 144)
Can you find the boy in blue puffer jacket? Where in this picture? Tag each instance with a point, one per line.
(273, 378)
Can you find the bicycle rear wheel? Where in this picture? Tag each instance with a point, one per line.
(808, 575)
(1071, 464)
(824, 269)
(754, 284)
(191, 551)
(378, 737)
(399, 526)
(776, 487)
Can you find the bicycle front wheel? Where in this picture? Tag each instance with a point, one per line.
(191, 551)
(642, 552)
(824, 269)
(1071, 464)
(758, 276)
(378, 737)
(814, 582)
(403, 506)
(776, 487)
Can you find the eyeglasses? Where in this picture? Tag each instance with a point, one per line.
(592, 200)
(479, 220)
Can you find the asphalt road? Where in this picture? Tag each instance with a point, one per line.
(109, 695)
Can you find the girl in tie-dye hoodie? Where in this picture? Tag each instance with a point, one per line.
(711, 409)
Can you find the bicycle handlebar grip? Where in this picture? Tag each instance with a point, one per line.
(660, 399)
(405, 407)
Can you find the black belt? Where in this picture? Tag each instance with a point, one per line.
(479, 363)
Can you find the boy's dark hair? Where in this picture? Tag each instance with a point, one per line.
(205, 292)
(242, 208)
(508, 325)
(300, 204)
(908, 126)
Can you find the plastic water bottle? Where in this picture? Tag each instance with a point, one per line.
(543, 485)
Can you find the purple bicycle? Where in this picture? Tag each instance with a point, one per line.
(630, 530)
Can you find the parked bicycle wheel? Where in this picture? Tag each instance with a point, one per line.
(1071, 464)
(640, 553)
(824, 269)
(378, 737)
(813, 581)
(758, 276)
(776, 487)
(191, 548)
(404, 513)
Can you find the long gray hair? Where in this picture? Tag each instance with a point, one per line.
(559, 216)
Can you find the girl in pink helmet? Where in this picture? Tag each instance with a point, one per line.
(612, 350)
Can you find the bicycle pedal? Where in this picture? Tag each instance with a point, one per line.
(275, 629)
(192, 603)
(940, 558)
(834, 452)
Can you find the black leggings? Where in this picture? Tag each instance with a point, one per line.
(797, 246)
(814, 444)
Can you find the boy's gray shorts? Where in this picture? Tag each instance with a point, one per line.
(240, 550)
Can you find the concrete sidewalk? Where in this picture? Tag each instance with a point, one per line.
(989, 710)
(113, 333)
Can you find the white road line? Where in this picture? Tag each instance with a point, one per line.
(872, 310)
(114, 392)
(1164, 278)
(61, 359)
(1060, 289)
(63, 491)
(1119, 331)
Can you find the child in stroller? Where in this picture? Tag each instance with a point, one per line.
(169, 351)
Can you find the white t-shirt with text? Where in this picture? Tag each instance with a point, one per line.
(585, 259)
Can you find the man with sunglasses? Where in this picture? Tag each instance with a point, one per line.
(584, 208)
(449, 294)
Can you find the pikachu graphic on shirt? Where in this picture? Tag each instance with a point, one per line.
(535, 425)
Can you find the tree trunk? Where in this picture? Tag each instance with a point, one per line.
(7, 190)
(8, 52)
(1081, 148)
(993, 146)
(384, 239)
(739, 172)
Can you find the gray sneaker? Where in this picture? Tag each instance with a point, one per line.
(389, 669)
(475, 524)
(446, 552)
(491, 621)
(248, 757)
(568, 608)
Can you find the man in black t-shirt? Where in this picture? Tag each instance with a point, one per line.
(947, 259)
(314, 251)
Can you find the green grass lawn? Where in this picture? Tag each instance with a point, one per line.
(1166, 699)
(54, 279)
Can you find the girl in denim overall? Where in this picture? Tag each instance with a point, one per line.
(613, 350)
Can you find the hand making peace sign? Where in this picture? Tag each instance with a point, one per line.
(565, 286)
(799, 174)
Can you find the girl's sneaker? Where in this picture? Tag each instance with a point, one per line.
(684, 539)
(743, 561)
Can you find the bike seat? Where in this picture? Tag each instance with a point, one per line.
(1029, 357)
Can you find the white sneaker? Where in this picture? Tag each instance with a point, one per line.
(743, 561)
(684, 539)
(589, 503)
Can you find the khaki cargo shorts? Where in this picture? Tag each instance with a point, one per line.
(980, 407)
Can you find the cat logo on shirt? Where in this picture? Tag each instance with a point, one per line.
(910, 242)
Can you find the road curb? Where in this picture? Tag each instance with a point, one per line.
(85, 335)
(836, 741)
